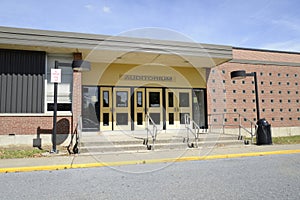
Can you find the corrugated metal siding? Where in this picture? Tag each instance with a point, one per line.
(22, 75)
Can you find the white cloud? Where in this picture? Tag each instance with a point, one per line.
(89, 7)
(291, 45)
(288, 24)
(106, 9)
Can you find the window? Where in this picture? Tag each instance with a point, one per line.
(154, 99)
(122, 99)
(184, 100)
(64, 95)
(234, 91)
(279, 74)
(171, 99)
(270, 74)
(105, 98)
(139, 99)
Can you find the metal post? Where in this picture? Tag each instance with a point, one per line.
(256, 97)
(54, 115)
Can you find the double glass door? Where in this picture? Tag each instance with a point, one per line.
(178, 104)
(123, 108)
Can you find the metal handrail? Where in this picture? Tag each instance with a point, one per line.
(240, 125)
(77, 134)
(195, 130)
(152, 132)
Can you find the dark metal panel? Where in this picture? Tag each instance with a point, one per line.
(22, 62)
(29, 94)
(24, 94)
(19, 93)
(3, 93)
(8, 93)
(40, 93)
(14, 86)
(34, 94)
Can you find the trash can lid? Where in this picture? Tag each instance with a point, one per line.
(262, 122)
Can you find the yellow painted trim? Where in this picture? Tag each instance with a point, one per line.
(164, 160)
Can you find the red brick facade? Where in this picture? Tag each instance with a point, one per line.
(29, 125)
(278, 87)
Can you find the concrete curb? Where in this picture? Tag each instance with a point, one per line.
(152, 161)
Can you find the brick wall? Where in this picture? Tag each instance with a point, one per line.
(28, 125)
(76, 100)
(279, 91)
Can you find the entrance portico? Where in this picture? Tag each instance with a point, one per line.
(166, 84)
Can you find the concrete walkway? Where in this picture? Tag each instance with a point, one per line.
(63, 161)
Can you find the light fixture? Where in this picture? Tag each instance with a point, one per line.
(81, 65)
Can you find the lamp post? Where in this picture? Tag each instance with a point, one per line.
(77, 65)
(241, 74)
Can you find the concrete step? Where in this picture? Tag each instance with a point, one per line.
(105, 143)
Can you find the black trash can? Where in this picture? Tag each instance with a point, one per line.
(263, 132)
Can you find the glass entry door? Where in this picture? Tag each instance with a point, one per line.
(139, 109)
(154, 105)
(105, 108)
(178, 104)
(121, 111)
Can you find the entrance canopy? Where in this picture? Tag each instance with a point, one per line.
(125, 50)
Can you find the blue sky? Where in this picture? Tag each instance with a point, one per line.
(263, 24)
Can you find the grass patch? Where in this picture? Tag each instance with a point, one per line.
(282, 140)
(8, 153)
(286, 140)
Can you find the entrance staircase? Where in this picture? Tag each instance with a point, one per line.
(126, 142)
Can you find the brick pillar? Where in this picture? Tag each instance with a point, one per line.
(77, 94)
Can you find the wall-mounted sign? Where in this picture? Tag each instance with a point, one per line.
(146, 78)
(55, 75)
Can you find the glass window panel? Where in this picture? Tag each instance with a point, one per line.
(171, 99)
(154, 99)
(122, 118)
(139, 99)
(139, 118)
(105, 119)
(171, 118)
(184, 99)
(122, 99)
(105, 98)
(155, 117)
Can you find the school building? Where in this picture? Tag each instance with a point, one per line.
(131, 78)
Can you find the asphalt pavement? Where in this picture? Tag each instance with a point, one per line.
(64, 161)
